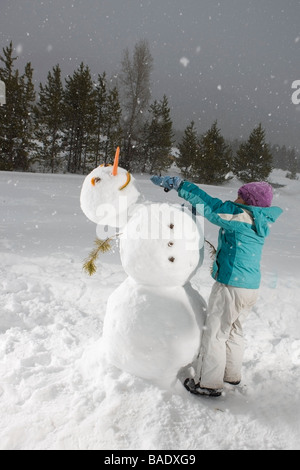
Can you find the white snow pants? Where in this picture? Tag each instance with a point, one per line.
(222, 345)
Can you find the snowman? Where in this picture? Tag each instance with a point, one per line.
(153, 321)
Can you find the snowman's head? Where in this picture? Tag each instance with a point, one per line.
(107, 193)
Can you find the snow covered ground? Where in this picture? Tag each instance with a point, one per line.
(57, 391)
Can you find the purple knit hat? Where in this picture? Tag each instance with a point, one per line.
(257, 194)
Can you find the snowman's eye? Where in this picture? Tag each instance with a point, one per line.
(95, 180)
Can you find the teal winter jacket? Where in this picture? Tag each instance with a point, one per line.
(241, 236)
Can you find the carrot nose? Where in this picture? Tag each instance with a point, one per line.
(116, 162)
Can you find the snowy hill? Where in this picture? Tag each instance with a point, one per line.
(57, 391)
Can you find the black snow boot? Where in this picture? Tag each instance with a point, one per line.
(195, 388)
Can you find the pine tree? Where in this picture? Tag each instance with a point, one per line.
(292, 161)
(100, 104)
(214, 160)
(49, 116)
(253, 160)
(188, 151)
(286, 159)
(135, 83)
(80, 118)
(112, 125)
(108, 134)
(10, 122)
(158, 138)
(26, 143)
(16, 120)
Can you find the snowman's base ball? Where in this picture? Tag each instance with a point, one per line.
(153, 332)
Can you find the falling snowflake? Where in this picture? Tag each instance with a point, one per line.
(184, 61)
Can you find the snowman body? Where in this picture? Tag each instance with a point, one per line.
(153, 332)
(153, 321)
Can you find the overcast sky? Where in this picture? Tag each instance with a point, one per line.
(230, 60)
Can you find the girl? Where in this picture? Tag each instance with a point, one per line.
(244, 224)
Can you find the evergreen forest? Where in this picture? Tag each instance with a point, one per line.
(75, 123)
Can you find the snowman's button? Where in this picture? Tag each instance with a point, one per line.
(170, 243)
(172, 259)
(171, 226)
